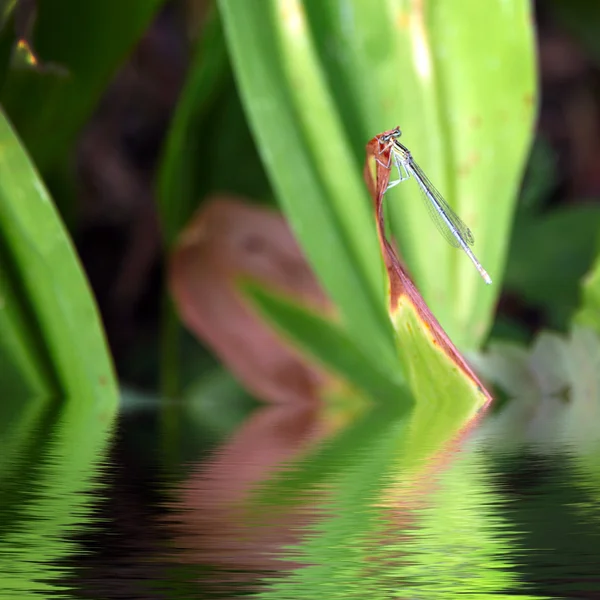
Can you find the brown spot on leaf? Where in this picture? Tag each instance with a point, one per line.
(475, 122)
(529, 100)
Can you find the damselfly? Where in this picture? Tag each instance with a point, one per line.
(450, 225)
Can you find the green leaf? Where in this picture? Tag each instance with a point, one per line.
(55, 311)
(328, 344)
(306, 154)
(469, 122)
(87, 40)
(461, 84)
(588, 314)
(549, 255)
(177, 196)
(26, 371)
(321, 78)
(177, 192)
(447, 391)
(540, 178)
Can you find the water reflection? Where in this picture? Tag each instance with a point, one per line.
(293, 504)
(52, 457)
(364, 511)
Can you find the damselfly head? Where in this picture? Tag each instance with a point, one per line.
(392, 134)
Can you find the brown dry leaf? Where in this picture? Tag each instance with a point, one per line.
(229, 240)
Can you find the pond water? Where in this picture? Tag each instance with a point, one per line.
(278, 505)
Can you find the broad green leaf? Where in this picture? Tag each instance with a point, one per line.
(461, 84)
(56, 310)
(303, 146)
(483, 79)
(85, 41)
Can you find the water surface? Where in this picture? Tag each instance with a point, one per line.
(283, 504)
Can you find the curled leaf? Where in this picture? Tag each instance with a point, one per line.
(434, 366)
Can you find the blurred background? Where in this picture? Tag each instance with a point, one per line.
(114, 220)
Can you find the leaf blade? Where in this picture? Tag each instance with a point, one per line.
(330, 231)
(51, 277)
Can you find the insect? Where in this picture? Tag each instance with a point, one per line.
(449, 224)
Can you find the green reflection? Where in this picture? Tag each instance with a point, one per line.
(49, 469)
(389, 533)
(390, 505)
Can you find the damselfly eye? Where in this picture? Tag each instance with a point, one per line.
(392, 134)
